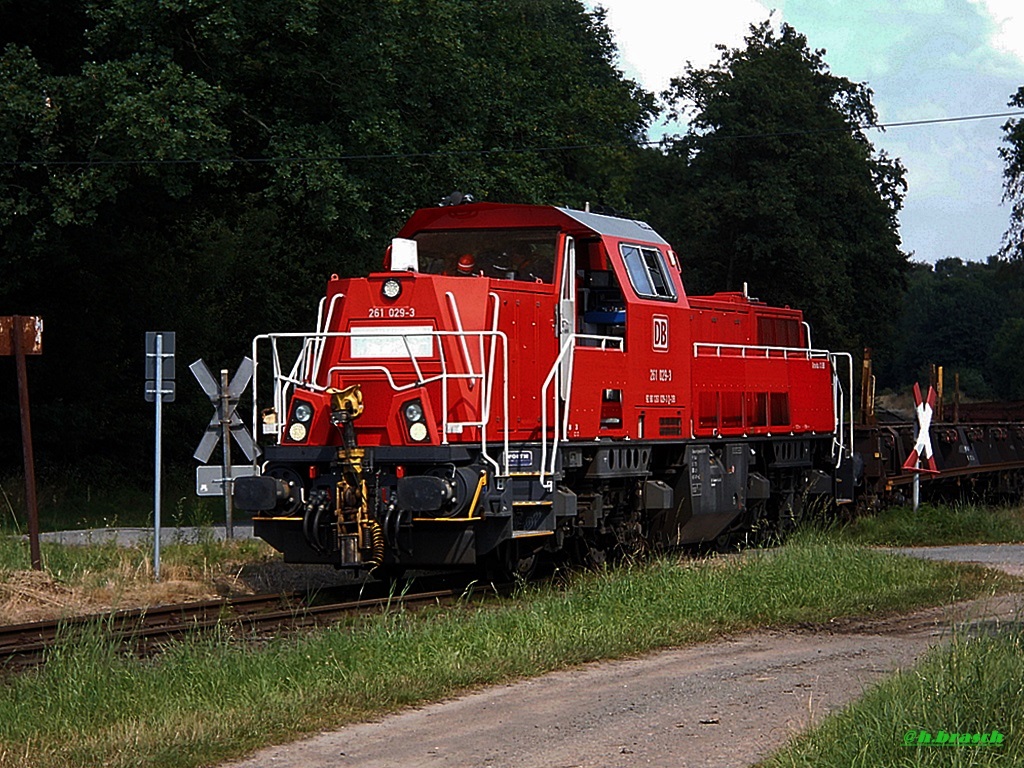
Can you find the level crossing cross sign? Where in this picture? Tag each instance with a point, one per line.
(225, 400)
(922, 451)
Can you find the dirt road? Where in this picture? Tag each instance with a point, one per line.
(726, 703)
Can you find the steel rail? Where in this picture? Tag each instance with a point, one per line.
(26, 644)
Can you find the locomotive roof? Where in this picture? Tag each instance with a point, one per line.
(497, 215)
(625, 229)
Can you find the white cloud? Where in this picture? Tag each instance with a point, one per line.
(656, 38)
(923, 59)
(1009, 19)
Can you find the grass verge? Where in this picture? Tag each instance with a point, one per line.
(207, 700)
(938, 524)
(95, 577)
(68, 499)
(72, 564)
(975, 685)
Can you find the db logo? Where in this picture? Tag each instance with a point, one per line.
(659, 333)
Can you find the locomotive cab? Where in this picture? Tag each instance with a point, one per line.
(523, 379)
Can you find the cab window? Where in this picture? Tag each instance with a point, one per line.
(512, 254)
(647, 272)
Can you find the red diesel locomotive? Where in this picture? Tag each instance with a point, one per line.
(527, 378)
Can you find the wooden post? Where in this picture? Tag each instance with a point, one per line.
(956, 397)
(225, 426)
(867, 395)
(20, 336)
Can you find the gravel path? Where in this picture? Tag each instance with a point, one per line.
(130, 537)
(725, 703)
(1006, 557)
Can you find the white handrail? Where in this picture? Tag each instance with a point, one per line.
(488, 385)
(842, 442)
(618, 340)
(557, 436)
(284, 383)
(552, 376)
(458, 326)
(322, 326)
(839, 403)
(805, 352)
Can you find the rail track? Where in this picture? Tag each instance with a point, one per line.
(147, 630)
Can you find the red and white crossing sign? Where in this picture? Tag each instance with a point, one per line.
(923, 445)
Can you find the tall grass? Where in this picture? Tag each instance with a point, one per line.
(94, 577)
(975, 685)
(69, 499)
(938, 524)
(208, 699)
(73, 564)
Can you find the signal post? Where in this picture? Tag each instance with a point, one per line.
(20, 336)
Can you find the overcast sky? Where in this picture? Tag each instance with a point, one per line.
(923, 59)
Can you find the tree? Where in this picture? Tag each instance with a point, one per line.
(1007, 364)
(967, 317)
(778, 187)
(1013, 180)
(949, 318)
(203, 167)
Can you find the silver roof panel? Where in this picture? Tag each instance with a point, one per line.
(625, 229)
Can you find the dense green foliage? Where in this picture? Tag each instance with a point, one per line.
(203, 167)
(783, 191)
(967, 317)
(1013, 177)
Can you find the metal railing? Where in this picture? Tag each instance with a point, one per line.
(758, 352)
(307, 372)
(840, 446)
(561, 399)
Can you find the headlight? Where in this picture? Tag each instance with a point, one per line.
(414, 412)
(297, 432)
(418, 431)
(303, 412)
(391, 288)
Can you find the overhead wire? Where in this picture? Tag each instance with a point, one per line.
(287, 159)
(863, 126)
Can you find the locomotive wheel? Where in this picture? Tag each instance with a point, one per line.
(631, 543)
(513, 561)
(392, 575)
(760, 531)
(727, 542)
(786, 514)
(586, 553)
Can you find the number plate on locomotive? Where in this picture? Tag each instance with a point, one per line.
(520, 459)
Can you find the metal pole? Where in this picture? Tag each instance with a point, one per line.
(225, 428)
(158, 456)
(26, 446)
(916, 492)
